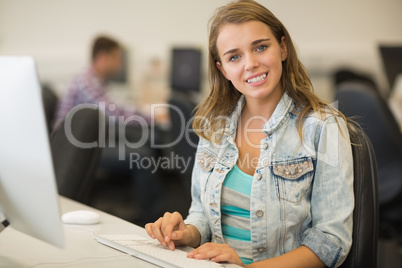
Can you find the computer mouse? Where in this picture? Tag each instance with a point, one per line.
(80, 217)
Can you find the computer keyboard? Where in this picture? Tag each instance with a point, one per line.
(150, 250)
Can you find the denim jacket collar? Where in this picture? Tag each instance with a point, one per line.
(278, 118)
(280, 115)
(234, 117)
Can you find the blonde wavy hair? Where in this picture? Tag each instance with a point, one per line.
(223, 96)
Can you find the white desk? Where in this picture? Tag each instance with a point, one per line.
(81, 250)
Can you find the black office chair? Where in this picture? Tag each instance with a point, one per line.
(372, 113)
(181, 113)
(50, 101)
(365, 215)
(187, 145)
(75, 165)
(343, 75)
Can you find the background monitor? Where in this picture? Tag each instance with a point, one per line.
(28, 193)
(392, 61)
(186, 69)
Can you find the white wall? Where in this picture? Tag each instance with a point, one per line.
(326, 33)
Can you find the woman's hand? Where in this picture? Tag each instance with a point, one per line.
(217, 253)
(170, 230)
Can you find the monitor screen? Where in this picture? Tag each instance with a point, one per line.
(392, 61)
(28, 193)
(186, 69)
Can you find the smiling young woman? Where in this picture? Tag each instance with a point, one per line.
(251, 59)
(272, 183)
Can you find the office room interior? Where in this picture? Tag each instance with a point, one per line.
(343, 45)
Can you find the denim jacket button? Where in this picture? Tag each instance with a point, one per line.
(218, 238)
(265, 146)
(260, 213)
(259, 176)
(261, 249)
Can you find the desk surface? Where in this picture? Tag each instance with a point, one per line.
(81, 250)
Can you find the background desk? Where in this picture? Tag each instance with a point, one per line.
(81, 250)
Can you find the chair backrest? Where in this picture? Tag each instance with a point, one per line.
(75, 165)
(366, 213)
(50, 101)
(347, 75)
(375, 117)
(373, 114)
(181, 113)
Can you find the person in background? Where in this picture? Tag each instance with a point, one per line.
(272, 184)
(90, 86)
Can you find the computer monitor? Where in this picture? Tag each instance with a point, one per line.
(28, 193)
(186, 69)
(392, 61)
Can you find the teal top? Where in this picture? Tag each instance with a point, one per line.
(235, 208)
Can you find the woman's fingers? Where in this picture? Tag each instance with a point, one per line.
(149, 227)
(201, 252)
(208, 254)
(163, 228)
(171, 245)
(225, 257)
(173, 223)
(158, 233)
(178, 235)
(216, 252)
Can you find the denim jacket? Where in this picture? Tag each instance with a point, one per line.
(302, 191)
